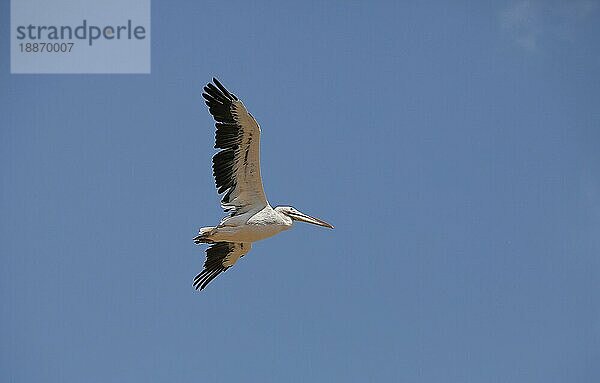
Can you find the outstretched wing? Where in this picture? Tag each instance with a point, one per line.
(236, 166)
(219, 257)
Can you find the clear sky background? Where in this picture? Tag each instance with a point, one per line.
(454, 147)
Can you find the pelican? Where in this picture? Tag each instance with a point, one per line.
(236, 168)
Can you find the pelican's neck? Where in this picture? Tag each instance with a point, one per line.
(287, 221)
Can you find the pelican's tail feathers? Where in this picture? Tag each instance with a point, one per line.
(203, 235)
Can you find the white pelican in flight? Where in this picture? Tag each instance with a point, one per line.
(236, 168)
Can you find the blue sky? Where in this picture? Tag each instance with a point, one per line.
(454, 147)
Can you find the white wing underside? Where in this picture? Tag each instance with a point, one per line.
(236, 166)
(248, 193)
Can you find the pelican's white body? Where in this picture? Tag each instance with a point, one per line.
(251, 226)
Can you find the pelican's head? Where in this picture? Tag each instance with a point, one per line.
(299, 216)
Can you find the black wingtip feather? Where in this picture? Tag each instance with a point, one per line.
(228, 134)
(213, 265)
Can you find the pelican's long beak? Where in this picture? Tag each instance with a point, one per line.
(308, 219)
